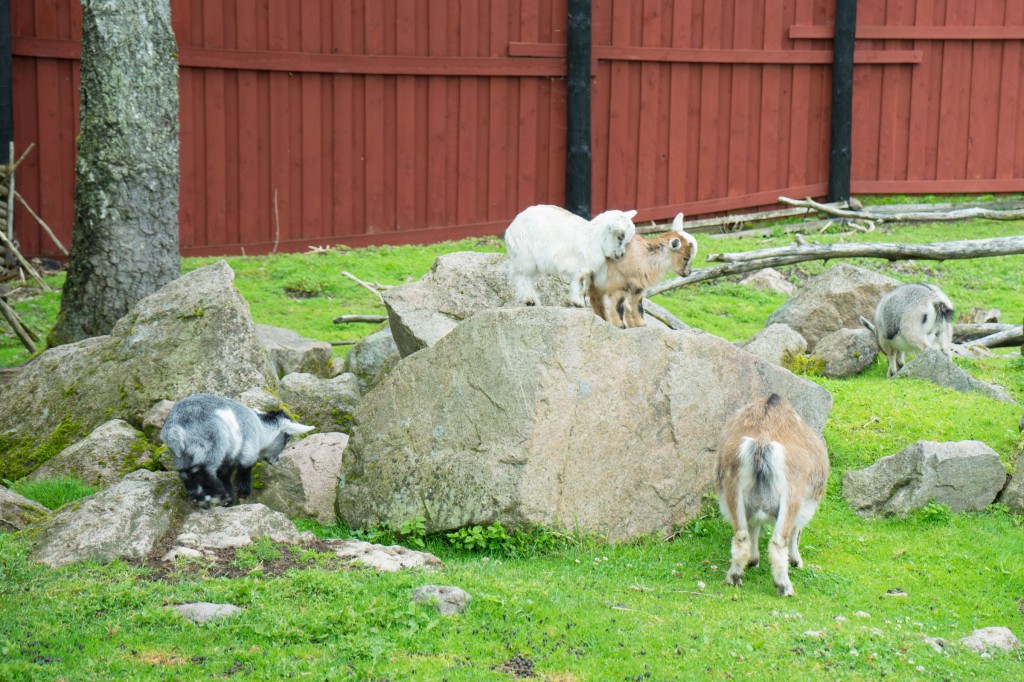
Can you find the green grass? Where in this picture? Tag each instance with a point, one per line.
(575, 607)
(52, 493)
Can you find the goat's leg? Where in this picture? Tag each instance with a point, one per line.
(740, 537)
(636, 309)
(243, 482)
(778, 548)
(577, 286)
(214, 492)
(618, 313)
(755, 552)
(227, 489)
(522, 287)
(597, 302)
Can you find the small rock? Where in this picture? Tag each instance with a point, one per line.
(370, 359)
(154, 420)
(324, 403)
(235, 527)
(186, 552)
(202, 612)
(290, 352)
(815, 634)
(17, 511)
(447, 600)
(895, 592)
(769, 279)
(841, 619)
(387, 559)
(991, 638)
(935, 367)
(773, 343)
(862, 614)
(847, 352)
(937, 643)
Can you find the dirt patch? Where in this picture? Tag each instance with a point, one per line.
(271, 561)
(517, 666)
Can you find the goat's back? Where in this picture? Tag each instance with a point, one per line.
(774, 420)
(203, 429)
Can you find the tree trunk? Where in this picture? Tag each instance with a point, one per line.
(125, 239)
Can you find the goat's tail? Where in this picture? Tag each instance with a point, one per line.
(762, 467)
(867, 324)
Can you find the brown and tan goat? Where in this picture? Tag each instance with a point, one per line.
(644, 264)
(772, 468)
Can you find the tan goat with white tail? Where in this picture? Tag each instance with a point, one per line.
(644, 264)
(772, 468)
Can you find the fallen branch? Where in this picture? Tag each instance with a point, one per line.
(737, 263)
(976, 330)
(346, 342)
(46, 228)
(24, 263)
(909, 216)
(20, 330)
(345, 319)
(369, 286)
(1003, 339)
(727, 221)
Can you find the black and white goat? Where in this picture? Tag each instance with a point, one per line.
(216, 441)
(912, 317)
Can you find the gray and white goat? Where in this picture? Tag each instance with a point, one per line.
(771, 468)
(912, 317)
(215, 441)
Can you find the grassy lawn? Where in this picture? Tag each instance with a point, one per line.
(570, 607)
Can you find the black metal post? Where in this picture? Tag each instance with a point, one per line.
(842, 101)
(6, 93)
(577, 82)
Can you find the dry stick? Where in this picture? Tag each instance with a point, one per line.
(345, 342)
(19, 329)
(365, 285)
(46, 228)
(738, 219)
(737, 263)
(929, 216)
(1008, 337)
(9, 169)
(24, 263)
(277, 224)
(344, 319)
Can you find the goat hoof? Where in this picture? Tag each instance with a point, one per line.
(785, 589)
(734, 580)
(754, 563)
(530, 303)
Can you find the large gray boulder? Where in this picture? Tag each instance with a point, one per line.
(935, 367)
(289, 352)
(460, 285)
(18, 512)
(236, 526)
(965, 475)
(546, 415)
(193, 335)
(102, 458)
(324, 403)
(774, 342)
(304, 482)
(833, 300)
(847, 352)
(125, 521)
(372, 357)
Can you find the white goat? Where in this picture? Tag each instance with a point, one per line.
(644, 265)
(771, 467)
(912, 317)
(548, 240)
(215, 439)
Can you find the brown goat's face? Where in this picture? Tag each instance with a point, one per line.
(684, 248)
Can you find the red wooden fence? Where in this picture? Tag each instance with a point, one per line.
(342, 121)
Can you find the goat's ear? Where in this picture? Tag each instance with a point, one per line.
(675, 243)
(630, 214)
(295, 429)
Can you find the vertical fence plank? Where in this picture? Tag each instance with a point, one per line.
(710, 121)
(647, 149)
(679, 96)
(983, 105)
(1009, 132)
(955, 103)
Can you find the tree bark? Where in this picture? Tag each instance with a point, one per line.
(124, 242)
(737, 263)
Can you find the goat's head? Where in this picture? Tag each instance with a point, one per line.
(683, 247)
(618, 229)
(284, 429)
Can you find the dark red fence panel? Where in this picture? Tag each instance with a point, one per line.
(344, 121)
